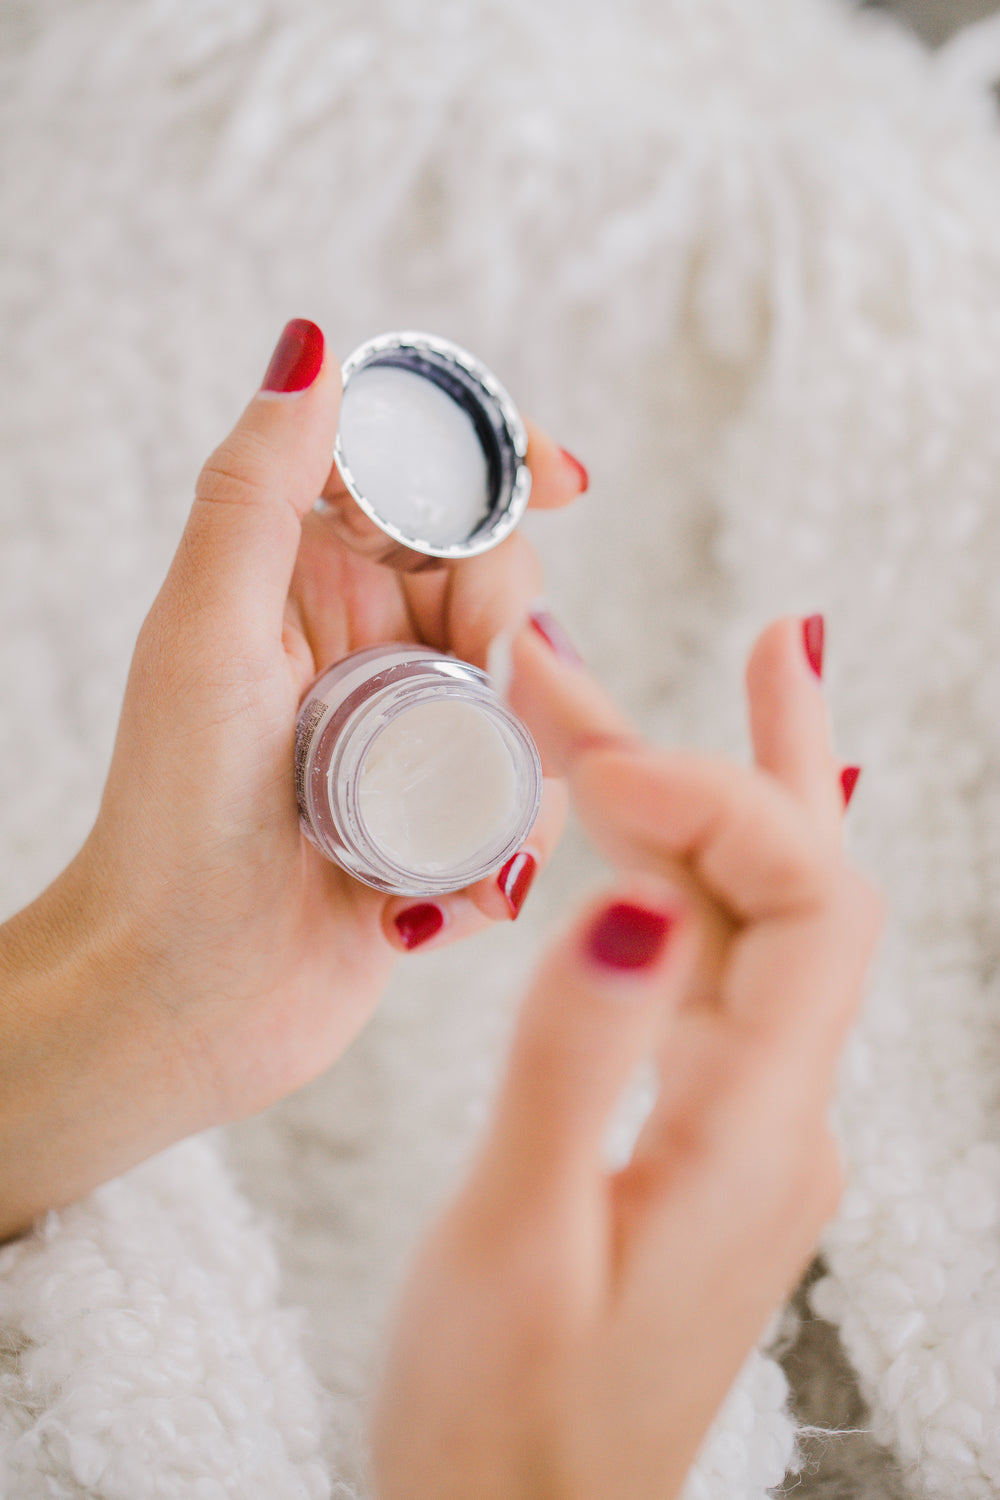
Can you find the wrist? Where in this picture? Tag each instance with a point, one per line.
(89, 1084)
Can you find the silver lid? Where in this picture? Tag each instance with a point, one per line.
(501, 434)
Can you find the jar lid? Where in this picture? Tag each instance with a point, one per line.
(431, 451)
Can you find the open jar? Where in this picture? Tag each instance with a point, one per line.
(411, 773)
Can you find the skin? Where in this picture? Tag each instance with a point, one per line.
(198, 959)
(568, 1333)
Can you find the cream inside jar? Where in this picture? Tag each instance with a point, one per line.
(437, 786)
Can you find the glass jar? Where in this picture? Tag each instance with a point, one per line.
(411, 773)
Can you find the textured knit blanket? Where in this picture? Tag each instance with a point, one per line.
(743, 256)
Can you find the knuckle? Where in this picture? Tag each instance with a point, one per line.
(800, 870)
(237, 473)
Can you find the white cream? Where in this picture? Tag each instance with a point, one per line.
(414, 454)
(438, 785)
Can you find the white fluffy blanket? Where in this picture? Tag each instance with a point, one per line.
(743, 256)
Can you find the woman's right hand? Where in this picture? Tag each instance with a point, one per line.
(570, 1331)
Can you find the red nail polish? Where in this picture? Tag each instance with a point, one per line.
(812, 638)
(554, 636)
(626, 936)
(297, 358)
(848, 781)
(515, 880)
(583, 477)
(418, 924)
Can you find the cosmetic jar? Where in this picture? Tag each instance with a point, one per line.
(431, 450)
(411, 773)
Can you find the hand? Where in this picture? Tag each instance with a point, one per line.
(199, 959)
(568, 1332)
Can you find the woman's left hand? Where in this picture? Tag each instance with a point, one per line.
(199, 959)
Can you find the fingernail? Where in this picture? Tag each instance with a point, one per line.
(554, 636)
(297, 358)
(418, 924)
(628, 937)
(812, 639)
(848, 781)
(515, 880)
(582, 477)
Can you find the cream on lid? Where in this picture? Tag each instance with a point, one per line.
(414, 454)
(438, 785)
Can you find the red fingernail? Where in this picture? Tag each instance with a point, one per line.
(554, 636)
(583, 478)
(515, 880)
(626, 936)
(297, 358)
(848, 781)
(418, 924)
(812, 638)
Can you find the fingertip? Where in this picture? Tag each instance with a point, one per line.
(422, 923)
(623, 944)
(301, 364)
(813, 641)
(792, 643)
(415, 924)
(789, 715)
(578, 471)
(289, 427)
(296, 360)
(557, 476)
(542, 621)
(629, 936)
(243, 532)
(501, 896)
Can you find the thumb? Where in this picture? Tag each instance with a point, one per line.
(242, 535)
(591, 1015)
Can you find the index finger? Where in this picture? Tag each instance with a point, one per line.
(537, 668)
